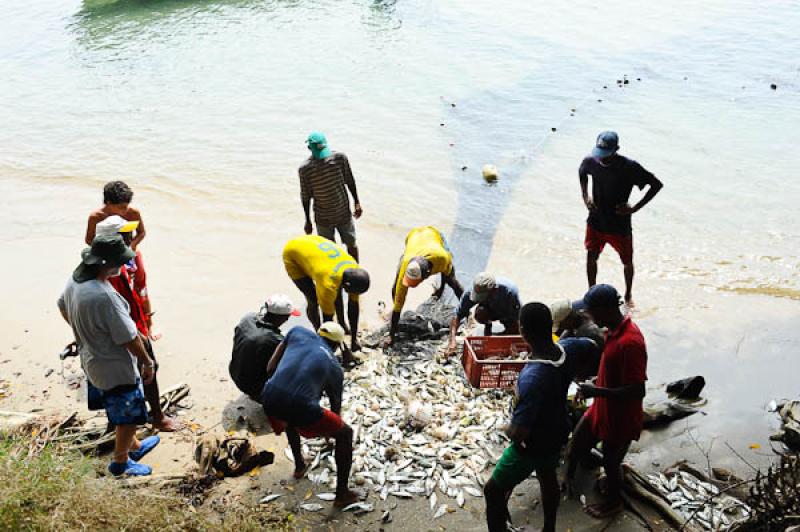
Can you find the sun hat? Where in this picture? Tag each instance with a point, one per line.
(601, 296)
(560, 310)
(106, 250)
(607, 144)
(115, 224)
(482, 285)
(413, 274)
(332, 331)
(318, 144)
(280, 305)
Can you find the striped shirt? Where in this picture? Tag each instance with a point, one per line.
(324, 181)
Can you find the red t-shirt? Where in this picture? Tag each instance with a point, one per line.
(624, 362)
(124, 286)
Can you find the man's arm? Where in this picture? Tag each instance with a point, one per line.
(334, 392)
(137, 349)
(91, 228)
(583, 176)
(140, 231)
(630, 391)
(655, 187)
(464, 305)
(305, 199)
(517, 434)
(272, 365)
(642, 178)
(350, 181)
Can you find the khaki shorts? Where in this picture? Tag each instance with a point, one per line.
(347, 232)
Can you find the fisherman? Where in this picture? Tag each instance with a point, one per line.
(124, 284)
(615, 417)
(426, 254)
(497, 299)
(539, 424)
(302, 368)
(117, 197)
(325, 178)
(321, 269)
(109, 347)
(609, 222)
(254, 342)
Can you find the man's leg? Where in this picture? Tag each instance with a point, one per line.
(347, 232)
(153, 397)
(343, 454)
(300, 466)
(591, 267)
(628, 269)
(327, 231)
(306, 285)
(353, 311)
(496, 506)
(124, 441)
(578, 447)
(624, 246)
(548, 486)
(453, 283)
(613, 454)
(594, 243)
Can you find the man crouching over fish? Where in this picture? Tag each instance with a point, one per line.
(302, 368)
(539, 424)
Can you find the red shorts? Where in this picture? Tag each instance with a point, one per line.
(329, 424)
(596, 241)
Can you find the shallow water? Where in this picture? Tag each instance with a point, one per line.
(203, 107)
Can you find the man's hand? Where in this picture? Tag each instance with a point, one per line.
(308, 228)
(148, 374)
(589, 202)
(451, 348)
(625, 209)
(357, 211)
(587, 390)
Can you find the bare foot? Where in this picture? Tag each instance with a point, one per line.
(568, 487)
(629, 301)
(355, 346)
(345, 499)
(300, 473)
(168, 424)
(604, 510)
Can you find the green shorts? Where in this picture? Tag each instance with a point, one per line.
(347, 232)
(515, 465)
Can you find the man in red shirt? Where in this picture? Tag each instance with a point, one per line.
(615, 417)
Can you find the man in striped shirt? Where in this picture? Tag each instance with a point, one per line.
(325, 178)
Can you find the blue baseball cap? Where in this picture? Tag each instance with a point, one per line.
(607, 144)
(599, 296)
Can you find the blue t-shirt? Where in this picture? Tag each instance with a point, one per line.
(503, 303)
(542, 390)
(307, 369)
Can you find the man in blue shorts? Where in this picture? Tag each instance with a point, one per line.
(302, 369)
(539, 424)
(110, 346)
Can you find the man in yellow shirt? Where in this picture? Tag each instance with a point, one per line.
(321, 269)
(426, 254)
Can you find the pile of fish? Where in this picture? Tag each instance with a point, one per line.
(700, 501)
(420, 430)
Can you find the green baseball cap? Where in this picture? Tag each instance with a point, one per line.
(106, 250)
(318, 144)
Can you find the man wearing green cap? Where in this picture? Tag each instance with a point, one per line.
(325, 178)
(110, 346)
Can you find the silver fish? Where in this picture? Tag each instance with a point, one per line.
(311, 507)
(326, 496)
(270, 498)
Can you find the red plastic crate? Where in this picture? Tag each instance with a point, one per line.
(483, 373)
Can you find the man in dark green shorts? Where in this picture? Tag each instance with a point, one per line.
(539, 425)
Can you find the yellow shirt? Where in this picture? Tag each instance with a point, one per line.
(428, 243)
(324, 262)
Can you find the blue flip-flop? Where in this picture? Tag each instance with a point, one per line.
(129, 468)
(145, 446)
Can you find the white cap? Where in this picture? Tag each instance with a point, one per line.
(560, 310)
(481, 285)
(281, 305)
(332, 331)
(413, 274)
(115, 224)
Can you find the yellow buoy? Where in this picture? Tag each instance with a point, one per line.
(489, 173)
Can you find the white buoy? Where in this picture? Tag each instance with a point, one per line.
(489, 173)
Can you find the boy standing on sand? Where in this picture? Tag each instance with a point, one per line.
(117, 197)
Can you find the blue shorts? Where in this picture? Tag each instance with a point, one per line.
(125, 405)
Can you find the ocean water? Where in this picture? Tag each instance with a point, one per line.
(204, 105)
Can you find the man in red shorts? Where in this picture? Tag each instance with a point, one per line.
(609, 222)
(304, 367)
(616, 416)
